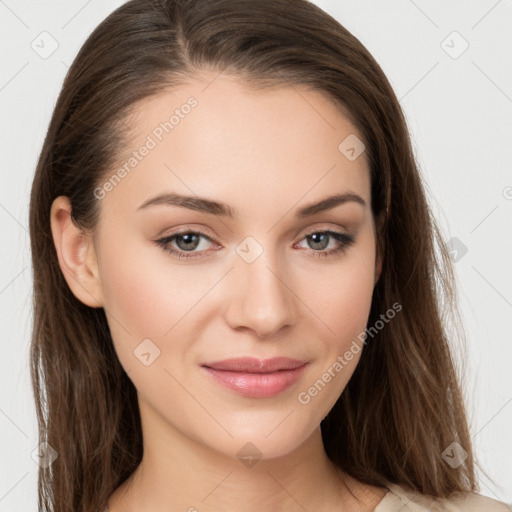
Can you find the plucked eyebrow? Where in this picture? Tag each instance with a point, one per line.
(210, 206)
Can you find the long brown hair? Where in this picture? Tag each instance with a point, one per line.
(403, 405)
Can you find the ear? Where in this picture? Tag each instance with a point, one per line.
(76, 254)
(379, 236)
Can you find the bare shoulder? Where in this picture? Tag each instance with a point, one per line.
(407, 500)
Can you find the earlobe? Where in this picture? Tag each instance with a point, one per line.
(76, 255)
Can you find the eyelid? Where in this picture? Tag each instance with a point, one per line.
(186, 228)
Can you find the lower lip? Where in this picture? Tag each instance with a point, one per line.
(256, 385)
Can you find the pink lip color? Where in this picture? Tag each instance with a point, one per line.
(256, 378)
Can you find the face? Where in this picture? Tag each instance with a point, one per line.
(261, 274)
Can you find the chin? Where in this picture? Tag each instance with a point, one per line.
(263, 441)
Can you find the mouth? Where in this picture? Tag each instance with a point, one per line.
(256, 378)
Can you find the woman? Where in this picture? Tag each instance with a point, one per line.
(238, 305)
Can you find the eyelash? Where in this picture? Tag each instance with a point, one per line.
(345, 240)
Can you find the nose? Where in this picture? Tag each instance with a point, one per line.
(260, 298)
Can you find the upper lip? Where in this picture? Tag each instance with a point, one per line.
(253, 365)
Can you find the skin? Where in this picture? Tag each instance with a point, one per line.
(266, 153)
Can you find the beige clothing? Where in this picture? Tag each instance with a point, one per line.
(402, 499)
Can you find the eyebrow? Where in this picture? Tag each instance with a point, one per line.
(210, 206)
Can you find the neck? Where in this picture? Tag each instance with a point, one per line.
(178, 473)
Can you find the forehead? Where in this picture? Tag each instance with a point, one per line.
(215, 136)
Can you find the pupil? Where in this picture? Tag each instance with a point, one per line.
(315, 235)
(189, 239)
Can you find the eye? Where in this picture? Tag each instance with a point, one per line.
(188, 241)
(319, 241)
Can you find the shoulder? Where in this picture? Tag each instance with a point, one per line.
(403, 499)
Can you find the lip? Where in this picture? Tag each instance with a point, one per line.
(256, 378)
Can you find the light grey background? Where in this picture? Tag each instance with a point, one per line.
(459, 109)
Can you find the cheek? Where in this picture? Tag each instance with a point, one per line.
(341, 295)
(343, 308)
(146, 294)
(348, 309)
(150, 297)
